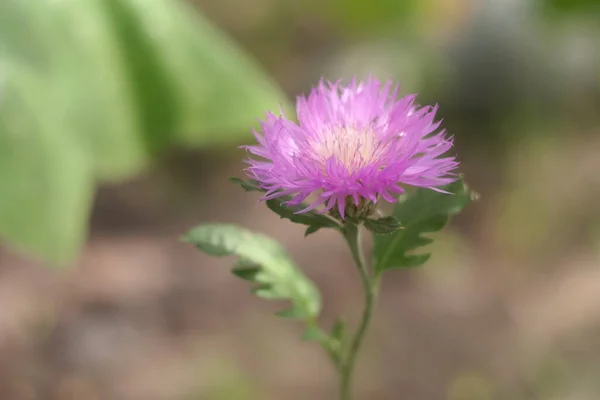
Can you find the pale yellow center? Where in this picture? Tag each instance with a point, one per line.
(351, 147)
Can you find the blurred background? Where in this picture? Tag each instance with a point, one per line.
(119, 124)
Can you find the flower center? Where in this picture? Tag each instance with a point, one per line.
(353, 148)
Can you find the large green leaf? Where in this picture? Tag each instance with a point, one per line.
(132, 76)
(45, 179)
(70, 48)
(421, 212)
(264, 262)
(219, 88)
(99, 87)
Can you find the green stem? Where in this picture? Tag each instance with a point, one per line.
(370, 287)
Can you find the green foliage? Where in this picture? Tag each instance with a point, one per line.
(92, 90)
(355, 17)
(383, 226)
(570, 6)
(315, 334)
(46, 183)
(313, 220)
(337, 339)
(248, 185)
(423, 211)
(219, 88)
(263, 262)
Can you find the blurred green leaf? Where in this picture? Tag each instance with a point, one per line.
(219, 88)
(45, 178)
(131, 76)
(264, 263)
(421, 212)
(99, 88)
(569, 6)
(68, 47)
(337, 339)
(356, 17)
(153, 94)
(313, 333)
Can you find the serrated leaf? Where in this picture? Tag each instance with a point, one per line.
(311, 229)
(421, 241)
(338, 330)
(247, 274)
(334, 343)
(292, 313)
(248, 185)
(309, 218)
(415, 260)
(314, 220)
(271, 269)
(313, 333)
(384, 225)
(244, 263)
(421, 212)
(265, 291)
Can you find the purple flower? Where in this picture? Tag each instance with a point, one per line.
(352, 144)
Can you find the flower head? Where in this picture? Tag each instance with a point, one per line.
(352, 144)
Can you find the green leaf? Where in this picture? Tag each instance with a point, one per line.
(338, 330)
(313, 333)
(333, 343)
(45, 179)
(133, 76)
(421, 212)
(152, 88)
(265, 263)
(354, 18)
(384, 225)
(292, 313)
(314, 220)
(91, 90)
(248, 185)
(246, 272)
(69, 50)
(311, 229)
(220, 89)
(338, 338)
(562, 7)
